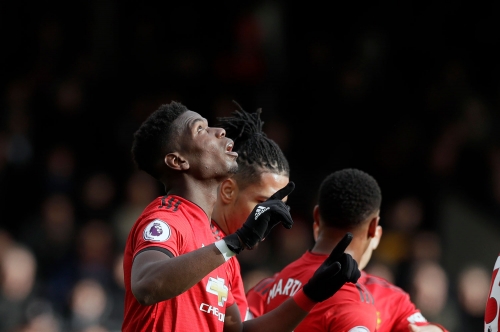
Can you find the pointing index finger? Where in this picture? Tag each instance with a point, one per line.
(341, 247)
(283, 192)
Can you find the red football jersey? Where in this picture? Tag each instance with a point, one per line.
(395, 310)
(351, 309)
(179, 226)
(492, 312)
(257, 295)
(236, 282)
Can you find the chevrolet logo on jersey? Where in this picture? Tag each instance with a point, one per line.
(217, 287)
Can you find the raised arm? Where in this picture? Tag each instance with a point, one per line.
(335, 271)
(157, 275)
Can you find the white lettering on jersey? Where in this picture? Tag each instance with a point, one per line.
(157, 231)
(359, 329)
(212, 310)
(291, 287)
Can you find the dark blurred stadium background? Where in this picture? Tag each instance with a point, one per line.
(407, 92)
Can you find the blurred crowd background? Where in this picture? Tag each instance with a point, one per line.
(407, 93)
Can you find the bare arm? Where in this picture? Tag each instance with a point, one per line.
(324, 283)
(284, 318)
(157, 277)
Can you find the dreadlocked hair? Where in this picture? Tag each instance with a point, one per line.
(257, 153)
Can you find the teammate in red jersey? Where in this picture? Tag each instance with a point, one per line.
(395, 311)
(262, 170)
(492, 312)
(348, 200)
(175, 276)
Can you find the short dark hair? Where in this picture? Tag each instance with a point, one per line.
(257, 153)
(153, 138)
(347, 197)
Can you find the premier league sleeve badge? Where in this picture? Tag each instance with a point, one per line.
(157, 231)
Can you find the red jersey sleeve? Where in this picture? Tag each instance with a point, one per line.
(351, 309)
(169, 234)
(360, 317)
(396, 310)
(256, 297)
(406, 314)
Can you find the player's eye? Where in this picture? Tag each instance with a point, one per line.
(200, 128)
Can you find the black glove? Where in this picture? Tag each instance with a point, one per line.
(263, 218)
(335, 271)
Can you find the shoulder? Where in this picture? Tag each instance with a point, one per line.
(162, 218)
(262, 287)
(348, 309)
(352, 294)
(162, 207)
(170, 209)
(374, 282)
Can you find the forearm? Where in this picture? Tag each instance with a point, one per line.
(285, 317)
(161, 278)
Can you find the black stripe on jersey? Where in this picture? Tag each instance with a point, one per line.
(364, 294)
(163, 250)
(162, 202)
(361, 295)
(369, 295)
(370, 280)
(169, 204)
(177, 205)
(264, 286)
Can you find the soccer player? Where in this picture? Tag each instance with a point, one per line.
(175, 275)
(262, 170)
(349, 201)
(395, 311)
(492, 312)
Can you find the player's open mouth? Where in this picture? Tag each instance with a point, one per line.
(229, 149)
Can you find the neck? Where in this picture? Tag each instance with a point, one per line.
(202, 194)
(328, 238)
(218, 218)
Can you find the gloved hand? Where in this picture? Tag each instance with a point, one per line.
(263, 218)
(335, 271)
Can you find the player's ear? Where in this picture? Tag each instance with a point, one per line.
(372, 227)
(228, 191)
(376, 239)
(316, 218)
(175, 161)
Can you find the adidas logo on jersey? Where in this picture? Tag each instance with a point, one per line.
(260, 210)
